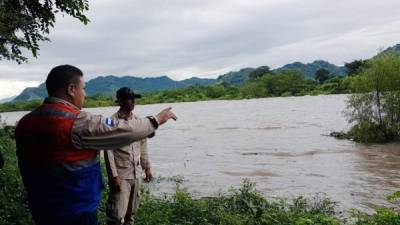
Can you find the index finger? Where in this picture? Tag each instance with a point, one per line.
(173, 116)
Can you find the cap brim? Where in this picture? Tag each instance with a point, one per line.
(132, 97)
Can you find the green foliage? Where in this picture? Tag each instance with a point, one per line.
(394, 197)
(366, 132)
(259, 72)
(374, 108)
(322, 75)
(100, 101)
(285, 83)
(240, 206)
(253, 89)
(355, 67)
(24, 23)
(382, 216)
(19, 105)
(13, 200)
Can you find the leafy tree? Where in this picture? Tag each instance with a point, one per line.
(14, 205)
(253, 89)
(375, 107)
(337, 84)
(322, 75)
(24, 23)
(284, 83)
(355, 67)
(259, 72)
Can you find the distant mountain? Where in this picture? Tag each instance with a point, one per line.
(395, 48)
(32, 93)
(196, 81)
(7, 99)
(237, 77)
(309, 69)
(110, 84)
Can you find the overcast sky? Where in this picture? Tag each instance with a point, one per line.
(206, 38)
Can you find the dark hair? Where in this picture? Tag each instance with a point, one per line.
(60, 77)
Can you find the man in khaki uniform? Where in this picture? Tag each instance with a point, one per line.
(123, 167)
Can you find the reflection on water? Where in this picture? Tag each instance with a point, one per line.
(280, 143)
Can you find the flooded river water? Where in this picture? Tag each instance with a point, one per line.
(279, 143)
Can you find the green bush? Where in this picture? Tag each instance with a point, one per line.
(374, 108)
(13, 200)
(240, 206)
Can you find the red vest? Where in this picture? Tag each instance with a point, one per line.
(44, 136)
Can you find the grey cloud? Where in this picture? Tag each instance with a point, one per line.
(205, 38)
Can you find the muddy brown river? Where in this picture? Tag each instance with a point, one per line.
(279, 143)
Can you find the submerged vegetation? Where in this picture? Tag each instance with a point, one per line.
(374, 108)
(237, 207)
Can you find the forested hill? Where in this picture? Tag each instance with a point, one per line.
(309, 69)
(395, 48)
(109, 84)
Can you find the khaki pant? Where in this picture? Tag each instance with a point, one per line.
(123, 205)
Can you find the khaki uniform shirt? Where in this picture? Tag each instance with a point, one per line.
(98, 132)
(126, 161)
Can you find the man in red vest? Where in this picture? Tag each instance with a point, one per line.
(58, 150)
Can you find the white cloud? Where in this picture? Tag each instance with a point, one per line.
(10, 88)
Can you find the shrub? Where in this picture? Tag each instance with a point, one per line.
(374, 109)
(13, 200)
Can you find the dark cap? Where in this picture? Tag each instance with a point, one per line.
(126, 93)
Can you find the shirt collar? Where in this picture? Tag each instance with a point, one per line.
(123, 115)
(54, 100)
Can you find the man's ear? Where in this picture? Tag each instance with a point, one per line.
(71, 89)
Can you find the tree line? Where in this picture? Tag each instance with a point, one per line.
(259, 85)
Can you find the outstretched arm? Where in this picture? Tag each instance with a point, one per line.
(98, 132)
